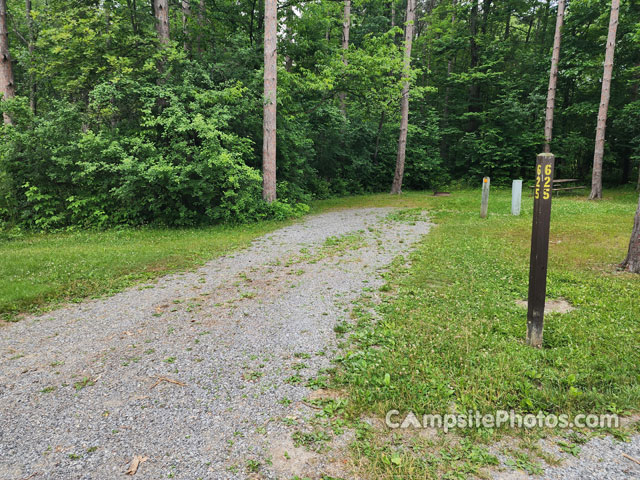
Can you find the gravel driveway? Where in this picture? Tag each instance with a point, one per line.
(195, 372)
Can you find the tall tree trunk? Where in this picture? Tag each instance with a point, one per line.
(393, 13)
(553, 79)
(396, 187)
(632, 262)
(288, 60)
(202, 12)
(186, 14)
(270, 91)
(474, 89)
(444, 147)
(596, 176)
(161, 12)
(6, 71)
(346, 25)
(134, 14)
(33, 102)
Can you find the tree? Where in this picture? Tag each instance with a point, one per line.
(396, 187)
(596, 176)
(346, 24)
(6, 70)
(33, 102)
(632, 262)
(270, 95)
(186, 14)
(161, 11)
(553, 79)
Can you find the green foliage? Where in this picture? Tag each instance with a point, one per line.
(126, 131)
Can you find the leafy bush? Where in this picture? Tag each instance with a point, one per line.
(142, 153)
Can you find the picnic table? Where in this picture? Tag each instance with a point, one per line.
(562, 184)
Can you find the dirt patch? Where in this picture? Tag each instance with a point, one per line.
(558, 305)
(326, 394)
(291, 461)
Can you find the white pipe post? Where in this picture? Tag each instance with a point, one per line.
(516, 197)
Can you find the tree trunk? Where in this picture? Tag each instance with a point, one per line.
(134, 14)
(346, 24)
(596, 178)
(161, 12)
(507, 26)
(33, 102)
(632, 262)
(202, 12)
(6, 70)
(186, 14)
(393, 13)
(444, 148)
(396, 187)
(474, 89)
(270, 90)
(553, 79)
(288, 60)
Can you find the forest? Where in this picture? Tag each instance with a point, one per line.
(154, 112)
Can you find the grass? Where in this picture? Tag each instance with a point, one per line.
(41, 270)
(450, 337)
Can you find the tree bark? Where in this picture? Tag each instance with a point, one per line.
(161, 12)
(346, 24)
(474, 89)
(7, 87)
(270, 105)
(186, 14)
(396, 187)
(288, 60)
(444, 148)
(33, 102)
(632, 262)
(598, 155)
(553, 79)
(393, 13)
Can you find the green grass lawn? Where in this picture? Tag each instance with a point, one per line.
(450, 337)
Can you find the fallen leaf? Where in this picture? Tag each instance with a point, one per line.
(135, 463)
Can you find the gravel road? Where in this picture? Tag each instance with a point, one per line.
(195, 372)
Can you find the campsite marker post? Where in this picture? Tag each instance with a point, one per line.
(539, 248)
(484, 208)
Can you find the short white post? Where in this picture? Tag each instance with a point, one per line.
(516, 197)
(484, 208)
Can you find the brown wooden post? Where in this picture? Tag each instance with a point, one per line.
(539, 248)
